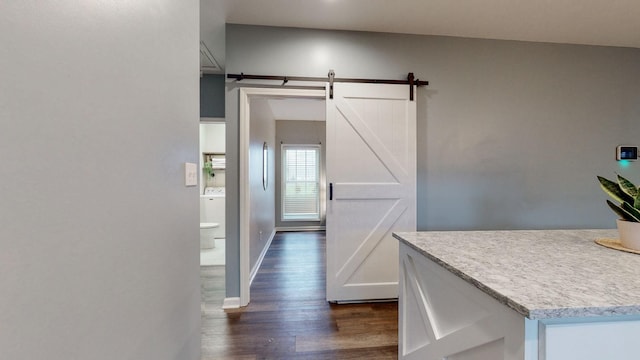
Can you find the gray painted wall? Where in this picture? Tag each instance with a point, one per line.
(262, 223)
(511, 135)
(99, 245)
(300, 133)
(212, 96)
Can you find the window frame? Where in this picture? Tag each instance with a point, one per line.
(283, 160)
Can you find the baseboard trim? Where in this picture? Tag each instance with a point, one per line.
(231, 303)
(345, 302)
(255, 268)
(301, 228)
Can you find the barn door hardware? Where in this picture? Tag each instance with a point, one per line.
(332, 76)
(411, 80)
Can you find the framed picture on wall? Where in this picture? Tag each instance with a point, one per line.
(265, 165)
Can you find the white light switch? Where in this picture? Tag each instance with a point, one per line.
(190, 174)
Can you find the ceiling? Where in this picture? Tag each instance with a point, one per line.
(589, 22)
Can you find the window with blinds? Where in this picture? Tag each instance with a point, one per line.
(300, 182)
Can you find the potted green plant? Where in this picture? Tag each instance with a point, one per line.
(208, 169)
(627, 195)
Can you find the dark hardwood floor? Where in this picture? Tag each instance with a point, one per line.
(288, 316)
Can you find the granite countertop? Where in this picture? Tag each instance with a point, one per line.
(541, 274)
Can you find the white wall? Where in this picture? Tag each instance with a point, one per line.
(212, 140)
(99, 236)
(212, 137)
(262, 220)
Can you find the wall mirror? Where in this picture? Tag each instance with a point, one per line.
(265, 165)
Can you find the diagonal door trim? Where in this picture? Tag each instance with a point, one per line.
(373, 125)
(371, 140)
(371, 241)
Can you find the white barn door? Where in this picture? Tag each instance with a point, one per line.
(371, 172)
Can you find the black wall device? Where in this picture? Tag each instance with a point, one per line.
(624, 152)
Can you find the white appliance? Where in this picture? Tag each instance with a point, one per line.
(212, 209)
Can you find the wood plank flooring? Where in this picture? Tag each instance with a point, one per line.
(288, 316)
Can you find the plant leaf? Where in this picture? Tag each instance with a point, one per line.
(627, 186)
(613, 189)
(621, 212)
(632, 211)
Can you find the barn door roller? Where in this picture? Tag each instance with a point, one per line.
(332, 76)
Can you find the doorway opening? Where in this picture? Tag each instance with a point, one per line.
(212, 192)
(257, 202)
(371, 153)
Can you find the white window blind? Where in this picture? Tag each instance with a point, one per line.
(301, 182)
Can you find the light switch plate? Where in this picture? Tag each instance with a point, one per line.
(190, 174)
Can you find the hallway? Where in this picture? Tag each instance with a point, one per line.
(288, 316)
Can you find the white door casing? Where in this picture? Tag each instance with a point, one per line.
(244, 190)
(371, 166)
